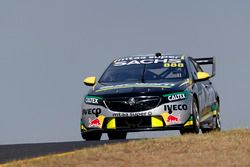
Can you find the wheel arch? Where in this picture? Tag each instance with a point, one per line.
(218, 99)
(197, 100)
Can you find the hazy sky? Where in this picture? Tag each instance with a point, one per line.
(47, 47)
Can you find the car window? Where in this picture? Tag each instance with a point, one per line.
(193, 69)
(160, 72)
(155, 70)
(131, 73)
(197, 66)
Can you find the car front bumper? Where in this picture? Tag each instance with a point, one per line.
(168, 116)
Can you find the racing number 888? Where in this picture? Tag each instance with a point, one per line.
(174, 65)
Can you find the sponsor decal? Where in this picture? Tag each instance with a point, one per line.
(176, 96)
(95, 111)
(173, 119)
(94, 122)
(171, 58)
(175, 107)
(146, 61)
(132, 114)
(139, 85)
(92, 99)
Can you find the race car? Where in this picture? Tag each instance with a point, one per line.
(151, 93)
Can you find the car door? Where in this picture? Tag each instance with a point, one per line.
(211, 97)
(200, 87)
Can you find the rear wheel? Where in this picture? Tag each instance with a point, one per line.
(117, 135)
(91, 136)
(196, 120)
(216, 122)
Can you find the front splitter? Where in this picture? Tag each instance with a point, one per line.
(170, 127)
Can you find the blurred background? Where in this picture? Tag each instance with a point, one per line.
(48, 47)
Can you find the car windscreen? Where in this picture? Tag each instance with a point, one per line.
(139, 72)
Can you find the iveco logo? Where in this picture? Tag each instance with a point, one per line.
(131, 101)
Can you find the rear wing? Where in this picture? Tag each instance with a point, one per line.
(207, 61)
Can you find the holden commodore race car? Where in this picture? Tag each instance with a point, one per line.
(151, 92)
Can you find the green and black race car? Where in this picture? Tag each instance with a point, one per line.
(151, 92)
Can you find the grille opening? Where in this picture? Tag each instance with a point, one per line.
(141, 103)
(133, 122)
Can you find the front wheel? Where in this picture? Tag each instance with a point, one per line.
(117, 135)
(195, 118)
(91, 135)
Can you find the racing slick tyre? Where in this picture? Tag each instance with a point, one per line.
(91, 135)
(117, 135)
(216, 122)
(196, 120)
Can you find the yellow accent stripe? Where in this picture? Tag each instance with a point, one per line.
(188, 123)
(101, 119)
(111, 124)
(83, 128)
(156, 122)
(210, 114)
(214, 112)
(190, 81)
(185, 82)
(165, 117)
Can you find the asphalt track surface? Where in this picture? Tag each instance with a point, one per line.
(23, 151)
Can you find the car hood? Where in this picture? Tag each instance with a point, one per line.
(137, 89)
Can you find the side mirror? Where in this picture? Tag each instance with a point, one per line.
(90, 81)
(201, 76)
